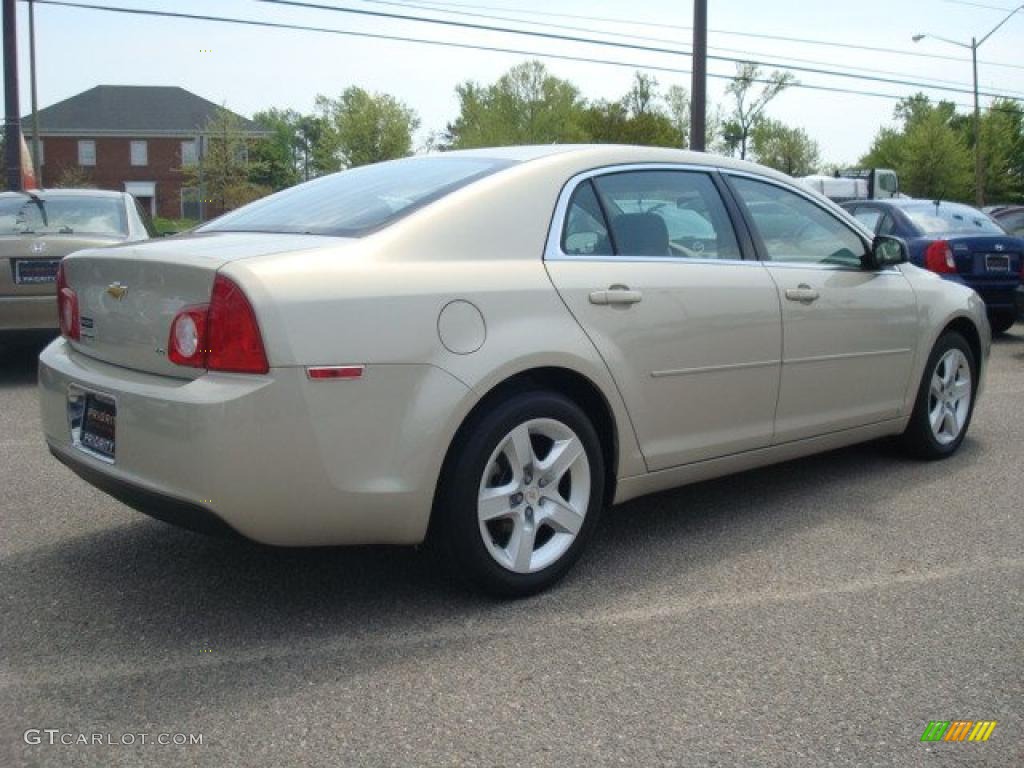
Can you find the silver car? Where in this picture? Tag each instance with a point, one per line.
(483, 349)
(37, 229)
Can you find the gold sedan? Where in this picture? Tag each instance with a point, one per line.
(483, 349)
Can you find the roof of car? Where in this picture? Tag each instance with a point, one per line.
(1006, 209)
(614, 154)
(44, 193)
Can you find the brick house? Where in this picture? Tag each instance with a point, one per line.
(132, 138)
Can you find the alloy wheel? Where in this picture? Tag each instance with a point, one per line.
(949, 396)
(534, 495)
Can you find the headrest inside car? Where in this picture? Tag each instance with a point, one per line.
(641, 234)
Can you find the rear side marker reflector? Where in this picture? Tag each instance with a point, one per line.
(335, 372)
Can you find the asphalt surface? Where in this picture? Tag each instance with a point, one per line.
(814, 613)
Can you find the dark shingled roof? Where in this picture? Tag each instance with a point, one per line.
(143, 110)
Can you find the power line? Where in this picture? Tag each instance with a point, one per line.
(307, 4)
(449, 44)
(780, 61)
(758, 35)
(980, 5)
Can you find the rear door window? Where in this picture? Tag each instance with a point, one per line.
(664, 213)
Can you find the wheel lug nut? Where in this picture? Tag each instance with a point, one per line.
(529, 514)
(542, 482)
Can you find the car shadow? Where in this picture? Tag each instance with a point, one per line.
(19, 359)
(147, 584)
(144, 596)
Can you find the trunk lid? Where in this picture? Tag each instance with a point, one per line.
(987, 257)
(28, 263)
(128, 295)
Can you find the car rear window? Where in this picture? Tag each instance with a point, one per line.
(946, 219)
(358, 201)
(63, 215)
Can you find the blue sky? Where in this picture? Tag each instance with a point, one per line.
(251, 69)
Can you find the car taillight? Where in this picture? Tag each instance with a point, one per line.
(187, 345)
(939, 258)
(220, 336)
(67, 307)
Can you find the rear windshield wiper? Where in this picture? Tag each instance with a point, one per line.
(41, 205)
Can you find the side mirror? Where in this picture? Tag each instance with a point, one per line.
(887, 251)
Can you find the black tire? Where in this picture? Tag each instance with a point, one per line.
(918, 438)
(456, 534)
(1001, 322)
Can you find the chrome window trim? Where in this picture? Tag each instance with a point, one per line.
(553, 247)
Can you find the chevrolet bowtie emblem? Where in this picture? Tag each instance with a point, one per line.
(117, 290)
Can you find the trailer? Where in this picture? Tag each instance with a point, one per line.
(855, 184)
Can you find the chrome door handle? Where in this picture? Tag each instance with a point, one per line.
(802, 293)
(616, 295)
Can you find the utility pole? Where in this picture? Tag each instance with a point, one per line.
(12, 107)
(35, 102)
(699, 82)
(974, 45)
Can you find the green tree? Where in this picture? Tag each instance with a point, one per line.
(785, 149)
(748, 105)
(1002, 149)
(928, 151)
(640, 117)
(526, 105)
(363, 127)
(275, 159)
(222, 173)
(317, 147)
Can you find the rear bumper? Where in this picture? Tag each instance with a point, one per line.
(998, 295)
(278, 459)
(169, 509)
(28, 313)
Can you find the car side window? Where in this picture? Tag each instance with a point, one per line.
(1014, 224)
(793, 229)
(671, 214)
(585, 233)
(868, 217)
(887, 226)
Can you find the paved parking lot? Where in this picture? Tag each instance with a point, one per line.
(815, 613)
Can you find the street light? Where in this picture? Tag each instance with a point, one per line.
(979, 192)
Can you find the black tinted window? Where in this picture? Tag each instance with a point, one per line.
(360, 200)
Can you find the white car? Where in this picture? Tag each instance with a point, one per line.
(485, 348)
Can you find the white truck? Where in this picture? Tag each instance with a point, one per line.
(856, 184)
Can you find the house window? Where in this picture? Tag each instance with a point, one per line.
(139, 153)
(86, 152)
(189, 156)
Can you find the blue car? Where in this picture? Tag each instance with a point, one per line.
(958, 242)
